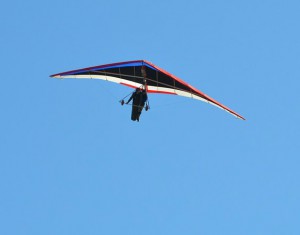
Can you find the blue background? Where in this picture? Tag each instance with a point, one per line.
(72, 161)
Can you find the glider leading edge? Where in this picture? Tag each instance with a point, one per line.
(145, 76)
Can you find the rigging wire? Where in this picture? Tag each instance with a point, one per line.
(149, 79)
(142, 86)
(146, 107)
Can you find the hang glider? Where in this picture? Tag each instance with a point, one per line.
(139, 73)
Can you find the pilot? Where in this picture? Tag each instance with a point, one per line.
(139, 98)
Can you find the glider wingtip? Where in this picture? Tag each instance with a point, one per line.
(54, 76)
(241, 118)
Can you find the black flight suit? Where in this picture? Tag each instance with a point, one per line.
(139, 97)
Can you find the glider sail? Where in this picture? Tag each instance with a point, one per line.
(143, 73)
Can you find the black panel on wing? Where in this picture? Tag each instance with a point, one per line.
(130, 73)
(134, 74)
(160, 79)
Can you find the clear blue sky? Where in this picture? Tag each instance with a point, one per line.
(72, 161)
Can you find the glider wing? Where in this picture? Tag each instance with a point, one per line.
(143, 73)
